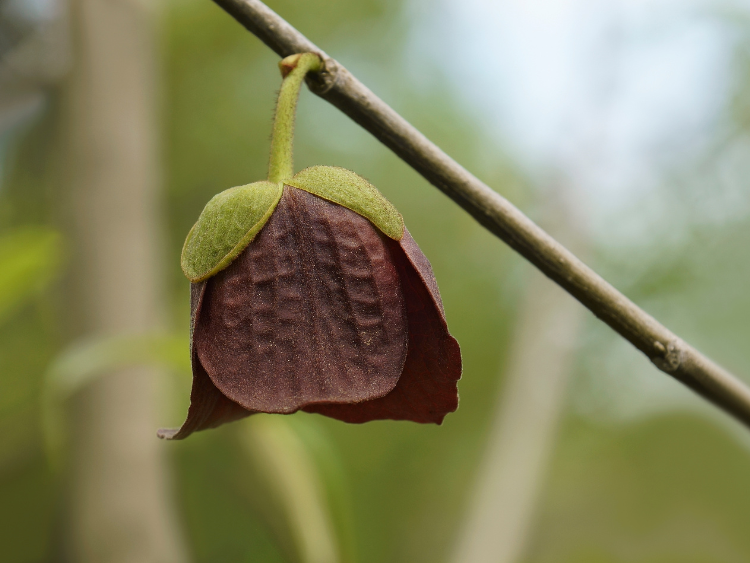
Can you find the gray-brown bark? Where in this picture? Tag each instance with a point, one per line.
(119, 501)
(336, 85)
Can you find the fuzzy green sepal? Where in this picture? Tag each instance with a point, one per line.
(350, 190)
(228, 223)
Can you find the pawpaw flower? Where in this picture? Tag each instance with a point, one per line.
(308, 293)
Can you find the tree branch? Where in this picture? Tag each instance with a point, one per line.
(336, 85)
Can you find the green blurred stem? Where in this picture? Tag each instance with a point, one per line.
(293, 69)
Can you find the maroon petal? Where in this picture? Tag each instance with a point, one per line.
(311, 311)
(427, 389)
(209, 408)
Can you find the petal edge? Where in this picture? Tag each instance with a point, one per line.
(426, 390)
(209, 408)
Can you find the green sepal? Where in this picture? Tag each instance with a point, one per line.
(226, 226)
(349, 190)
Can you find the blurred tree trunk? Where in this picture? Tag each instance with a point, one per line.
(119, 498)
(511, 474)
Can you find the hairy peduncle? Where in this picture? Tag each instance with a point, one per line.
(293, 69)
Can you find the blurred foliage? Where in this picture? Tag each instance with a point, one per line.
(668, 489)
(288, 481)
(29, 258)
(78, 365)
(664, 488)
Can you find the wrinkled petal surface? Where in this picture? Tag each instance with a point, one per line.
(311, 312)
(427, 389)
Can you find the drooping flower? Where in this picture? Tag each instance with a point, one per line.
(308, 293)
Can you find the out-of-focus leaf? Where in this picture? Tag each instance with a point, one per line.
(334, 477)
(294, 481)
(29, 260)
(84, 361)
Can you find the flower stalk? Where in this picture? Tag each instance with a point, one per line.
(293, 69)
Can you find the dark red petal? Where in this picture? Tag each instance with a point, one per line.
(427, 389)
(209, 408)
(312, 311)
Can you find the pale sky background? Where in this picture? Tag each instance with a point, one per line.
(610, 89)
(614, 94)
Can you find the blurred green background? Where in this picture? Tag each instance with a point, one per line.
(626, 466)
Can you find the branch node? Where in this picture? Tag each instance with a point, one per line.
(324, 80)
(670, 358)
